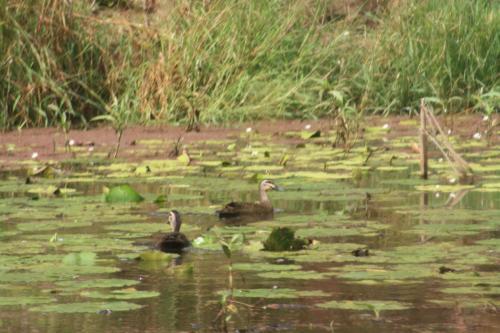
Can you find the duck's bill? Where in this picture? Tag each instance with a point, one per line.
(279, 188)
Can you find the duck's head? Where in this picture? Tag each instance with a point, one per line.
(269, 185)
(174, 219)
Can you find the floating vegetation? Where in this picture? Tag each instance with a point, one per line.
(122, 193)
(283, 239)
(374, 306)
(277, 293)
(87, 307)
(337, 240)
(128, 293)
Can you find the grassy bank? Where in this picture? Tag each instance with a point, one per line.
(220, 61)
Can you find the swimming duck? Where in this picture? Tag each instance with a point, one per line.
(263, 207)
(173, 241)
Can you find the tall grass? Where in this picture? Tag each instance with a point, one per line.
(220, 61)
(448, 50)
(48, 63)
(239, 60)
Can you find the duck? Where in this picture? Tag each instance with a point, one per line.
(263, 207)
(175, 241)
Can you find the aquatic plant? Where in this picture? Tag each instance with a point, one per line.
(283, 239)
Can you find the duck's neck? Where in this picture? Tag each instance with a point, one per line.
(176, 226)
(264, 199)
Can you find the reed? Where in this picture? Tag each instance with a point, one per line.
(223, 61)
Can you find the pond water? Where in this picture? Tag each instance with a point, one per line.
(69, 261)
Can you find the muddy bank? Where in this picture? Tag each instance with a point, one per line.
(48, 143)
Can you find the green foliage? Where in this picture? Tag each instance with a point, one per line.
(447, 50)
(283, 239)
(123, 193)
(223, 62)
(52, 68)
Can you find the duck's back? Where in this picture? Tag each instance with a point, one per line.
(245, 208)
(173, 242)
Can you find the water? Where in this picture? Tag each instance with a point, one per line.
(398, 288)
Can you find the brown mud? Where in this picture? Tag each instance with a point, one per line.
(49, 143)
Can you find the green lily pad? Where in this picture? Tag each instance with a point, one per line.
(24, 300)
(156, 256)
(123, 193)
(365, 305)
(97, 283)
(310, 134)
(296, 275)
(264, 267)
(443, 188)
(276, 293)
(51, 190)
(128, 293)
(52, 225)
(87, 307)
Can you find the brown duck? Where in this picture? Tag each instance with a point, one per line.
(174, 241)
(263, 207)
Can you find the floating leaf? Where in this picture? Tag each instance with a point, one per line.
(276, 293)
(160, 199)
(296, 275)
(24, 300)
(365, 305)
(87, 307)
(128, 293)
(310, 134)
(97, 283)
(123, 193)
(264, 267)
(156, 256)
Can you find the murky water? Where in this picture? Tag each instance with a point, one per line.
(433, 263)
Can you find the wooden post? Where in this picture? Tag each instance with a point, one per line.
(423, 141)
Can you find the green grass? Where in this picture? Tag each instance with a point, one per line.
(223, 61)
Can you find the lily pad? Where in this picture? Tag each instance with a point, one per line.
(276, 293)
(365, 305)
(123, 193)
(264, 267)
(87, 307)
(156, 256)
(24, 300)
(128, 293)
(97, 283)
(296, 275)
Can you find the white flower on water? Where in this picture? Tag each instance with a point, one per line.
(248, 130)
(440, 160)
(438, 195)
(386, 126)
(486, 118)
(452, 195)
(477, 136)
(71, 142)
(34, 155)
(452, 180)
(254, 153)
(449, 132)
(308, 126)
(91, 149)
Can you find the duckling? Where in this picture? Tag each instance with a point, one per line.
(174, 241)
(263, 207)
